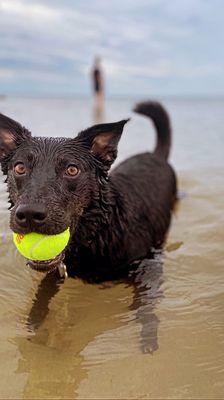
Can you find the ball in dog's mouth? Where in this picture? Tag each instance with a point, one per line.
(48, 265)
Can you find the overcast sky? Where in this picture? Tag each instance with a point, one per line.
(158, 47)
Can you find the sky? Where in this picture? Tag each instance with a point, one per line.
(161, 47)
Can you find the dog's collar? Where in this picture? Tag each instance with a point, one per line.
(62, 270)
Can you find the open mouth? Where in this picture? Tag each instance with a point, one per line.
(46, 266)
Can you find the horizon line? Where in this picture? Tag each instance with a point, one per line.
(112, 96)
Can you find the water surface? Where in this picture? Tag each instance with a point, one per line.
(162, 337)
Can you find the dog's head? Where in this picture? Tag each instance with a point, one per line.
(52, 181)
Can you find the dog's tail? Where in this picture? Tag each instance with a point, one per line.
(161, 120)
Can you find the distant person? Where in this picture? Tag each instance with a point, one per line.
(98, 87)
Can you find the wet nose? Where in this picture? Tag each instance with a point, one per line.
(30, 215)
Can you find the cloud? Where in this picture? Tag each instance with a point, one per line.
(28, 10)
(141, 44)
(6, 73)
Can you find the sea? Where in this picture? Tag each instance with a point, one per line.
(159, 338)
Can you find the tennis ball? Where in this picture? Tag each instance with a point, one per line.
(39, 247)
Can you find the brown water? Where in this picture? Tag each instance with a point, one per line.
(162, 337)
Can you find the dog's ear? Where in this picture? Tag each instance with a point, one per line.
(102, 140)
(11, 135)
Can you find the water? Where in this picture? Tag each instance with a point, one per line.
(160, 338)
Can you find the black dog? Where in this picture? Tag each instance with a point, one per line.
(115, 219)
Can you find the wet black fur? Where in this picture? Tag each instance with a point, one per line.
(115, 218)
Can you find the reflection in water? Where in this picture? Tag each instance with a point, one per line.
(98, 113)
(47, 289)
(57, 334)
(146, 283)
(145, 280)
(50, 354)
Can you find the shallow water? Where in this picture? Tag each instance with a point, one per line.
(162, 337)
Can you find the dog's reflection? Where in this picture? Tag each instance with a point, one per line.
(47, 289)
(146, 282)
(67, 318)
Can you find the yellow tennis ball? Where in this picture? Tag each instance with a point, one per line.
(38, 247)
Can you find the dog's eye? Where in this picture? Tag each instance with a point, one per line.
(20, 169)
(72, 170)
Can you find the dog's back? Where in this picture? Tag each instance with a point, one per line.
(149, 186)
(140, 197)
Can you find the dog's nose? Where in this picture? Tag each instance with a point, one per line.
(30, 215)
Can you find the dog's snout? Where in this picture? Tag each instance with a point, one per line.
(30, 215)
